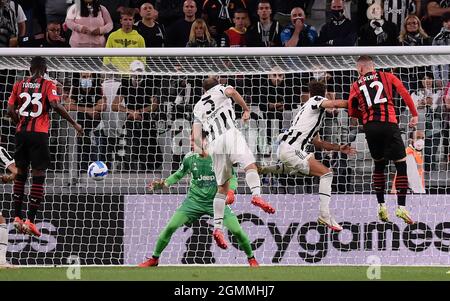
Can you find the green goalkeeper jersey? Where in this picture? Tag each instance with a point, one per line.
(203, 185)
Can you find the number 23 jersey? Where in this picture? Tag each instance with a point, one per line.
(32, 97)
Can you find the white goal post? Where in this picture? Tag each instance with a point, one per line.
(117, 221)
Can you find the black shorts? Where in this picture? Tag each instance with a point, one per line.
(384, 140)
(32, 148)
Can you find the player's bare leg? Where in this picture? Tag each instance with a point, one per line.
(325, 175)
(254, 182)
(36, 198)
(401, 183)
(3, 243)
(219, 211)
(18, 197)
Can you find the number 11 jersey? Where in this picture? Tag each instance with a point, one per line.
(32, 97)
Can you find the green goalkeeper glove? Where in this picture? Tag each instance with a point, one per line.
(157, 184)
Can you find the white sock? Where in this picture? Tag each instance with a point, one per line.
(219, 210)
(253, 181)
(325, 194)
(3, 242)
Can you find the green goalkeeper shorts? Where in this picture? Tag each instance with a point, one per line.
(193, 210)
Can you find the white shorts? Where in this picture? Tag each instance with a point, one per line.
(226, 150)
(294, 160)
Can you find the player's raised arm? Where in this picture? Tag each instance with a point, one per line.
(64, 114)
(11, 111)
(406, 97)
(334, 104)
(234, 94)
(343, 148)
(9, 164)
(173, 178)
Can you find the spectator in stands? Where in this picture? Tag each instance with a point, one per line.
(125, 37)
(378, 31)
(178, 33)
(236, 34)
(412, 33)
(298, 33)
(276, 95)
(89, 22)
(252, 8)
(200, 36)
(12, 23)
(435, 9)
(339, 31)
(153, 33)
(51, 38)
(441, 72)
(115, 7)
(87, 100)
(397, 11)
(56, 10)
(218, 14)
(169, 11)
(266, 32)
(137, 100)
(351, 10)
(28, 8)
(429, 105)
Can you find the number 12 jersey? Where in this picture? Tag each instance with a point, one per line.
(371, 97)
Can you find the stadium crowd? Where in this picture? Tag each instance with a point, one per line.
(221, 23)
(142, 102)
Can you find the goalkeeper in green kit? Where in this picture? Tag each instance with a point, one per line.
(199, 202)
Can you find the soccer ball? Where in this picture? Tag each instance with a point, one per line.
(98, 170)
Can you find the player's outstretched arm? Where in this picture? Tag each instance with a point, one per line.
(334, 104)
(406, 98)
(12, 176)
(13, 114)
(233, 94)
(343, 148)
(173, 178)
(197, 129)
(62, 111)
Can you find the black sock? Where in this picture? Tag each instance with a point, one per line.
(18, 193)
(379, 180)
(401, 182)
(36, 196)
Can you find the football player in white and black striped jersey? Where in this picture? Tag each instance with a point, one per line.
(6, 162)
(214, 114)
(293, 155)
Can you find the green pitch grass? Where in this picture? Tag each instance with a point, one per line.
(196, 273)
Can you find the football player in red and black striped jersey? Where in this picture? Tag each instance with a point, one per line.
(29, 106)
(371, 99)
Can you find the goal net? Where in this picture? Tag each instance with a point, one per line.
(118, 220)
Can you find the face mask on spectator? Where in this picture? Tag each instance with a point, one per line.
(86, 83)
(337, 14)
(419, 144)
(136, 79)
